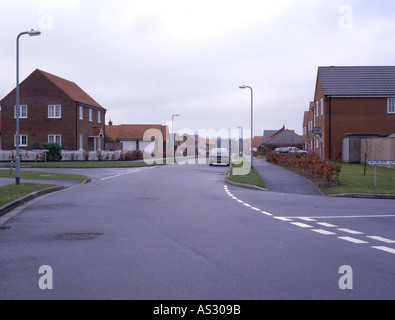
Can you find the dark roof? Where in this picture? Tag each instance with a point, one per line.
(357, 81)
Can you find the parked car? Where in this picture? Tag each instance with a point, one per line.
(219, 156)
(281, 150)
(297, 151)
(291, 150)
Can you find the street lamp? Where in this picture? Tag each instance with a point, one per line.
(252, 122)
(241, 141)
(31, 33)
(174, 135)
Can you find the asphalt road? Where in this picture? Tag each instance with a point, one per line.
(179, 232)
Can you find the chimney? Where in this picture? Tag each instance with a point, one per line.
(110, 123)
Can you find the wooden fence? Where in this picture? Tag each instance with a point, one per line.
(378, 149)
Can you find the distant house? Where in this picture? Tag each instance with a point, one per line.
(349, 102)
(280, 138)
(52, 110)
(130, 137)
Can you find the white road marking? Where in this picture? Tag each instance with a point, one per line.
(327, 225)
(302, 225)
(349, 231)
(353, 240)
(323, 224)
(307, 219)
(283, 219)
(268, 214)
(381, 239)
(386, 249)
(324, 232)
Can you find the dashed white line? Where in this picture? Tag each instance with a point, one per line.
(307, 219)
(349, 231)
(381, 239)
(283, 219)
(324, 232)
(302, 225)
(353, 240)
(386, 249)
(327, 225)
(323, 224)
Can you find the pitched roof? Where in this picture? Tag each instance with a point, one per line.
(131, 132)
(71, 89)
(357, 81)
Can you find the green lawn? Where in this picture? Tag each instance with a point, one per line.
(252, 178)
(30, 175)
(354, 181)
(14, 192)
(87, 164)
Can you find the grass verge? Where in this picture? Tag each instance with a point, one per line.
(353, 180)
(9, 194)
(96, 164)
(252, 178)
(30, 175)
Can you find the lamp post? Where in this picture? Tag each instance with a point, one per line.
(174, 136)
(31, 33)
(241, 142)
(252, 122)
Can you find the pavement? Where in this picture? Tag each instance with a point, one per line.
(281, 180)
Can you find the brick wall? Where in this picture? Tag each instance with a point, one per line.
(37, 92)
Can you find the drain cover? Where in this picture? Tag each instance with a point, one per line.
(79, 236)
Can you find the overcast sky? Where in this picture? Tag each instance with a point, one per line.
(146, 60)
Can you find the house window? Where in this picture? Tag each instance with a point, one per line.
(81, 113)
(391, 105)
(322, 107)
(90, 115)
(55, 138)
(22, 140)
(99, 116)
(23, 112)
(54, 111)
(317, 109)
(81, 142)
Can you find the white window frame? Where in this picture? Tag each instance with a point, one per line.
(322, 106)
(81, 142)
(391, 106)
(90, 115)
(23, 114)
(54, 139)
(81, 113)
(54, 111)
(21, 144)
(99, 116)
(317, 110)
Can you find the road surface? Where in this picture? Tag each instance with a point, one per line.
(180, 232)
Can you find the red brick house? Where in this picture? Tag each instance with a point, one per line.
(349, 101)
(53, 110)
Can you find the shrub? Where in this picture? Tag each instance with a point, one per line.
(54, 151)
(314, 165)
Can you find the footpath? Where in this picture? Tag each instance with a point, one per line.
(281, 180)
